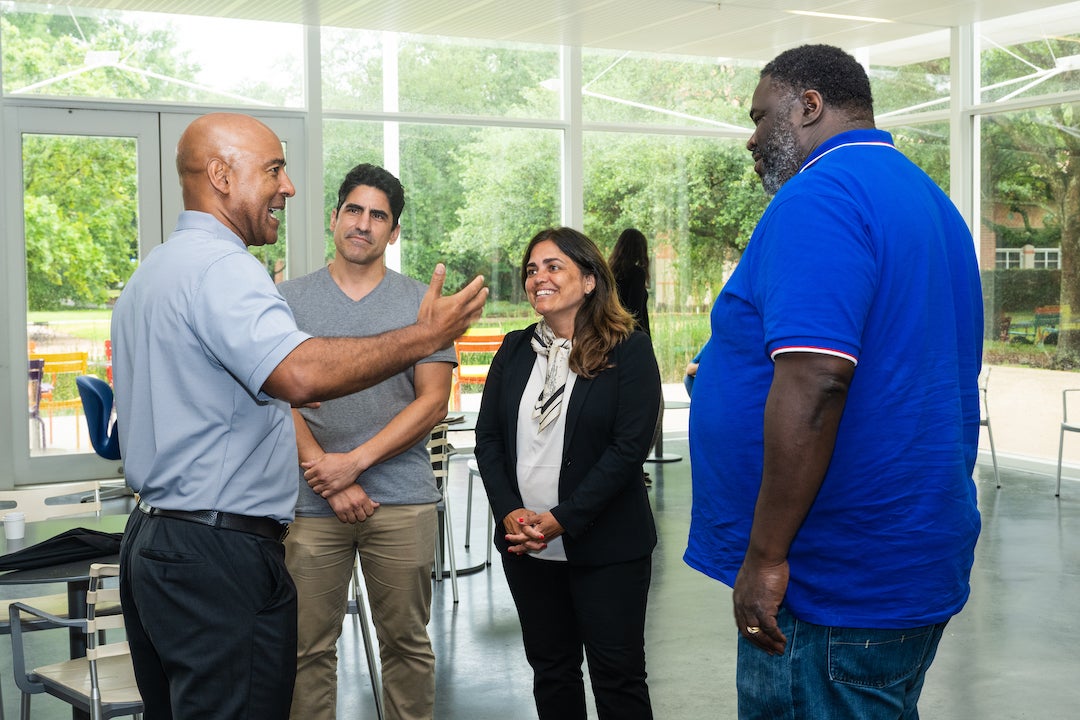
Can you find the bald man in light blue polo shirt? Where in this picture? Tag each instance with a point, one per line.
(207, 361)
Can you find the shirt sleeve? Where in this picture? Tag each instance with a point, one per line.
(817, 276)
(242, 320)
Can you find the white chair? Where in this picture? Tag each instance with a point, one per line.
(984, 420)
(1066, 426)
(358, 608)
(474, 472)
(43, 503)
(439, 450)
(102, 683)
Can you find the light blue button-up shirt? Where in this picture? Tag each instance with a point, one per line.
(196, 332)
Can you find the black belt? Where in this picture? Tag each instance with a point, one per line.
(261, 526)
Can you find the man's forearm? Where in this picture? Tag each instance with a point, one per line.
(802, 416)
(327, 368)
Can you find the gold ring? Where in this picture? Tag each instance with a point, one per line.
(752, 629)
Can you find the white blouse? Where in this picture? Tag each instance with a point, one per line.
(539, 458)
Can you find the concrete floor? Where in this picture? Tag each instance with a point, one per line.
(1010, 654)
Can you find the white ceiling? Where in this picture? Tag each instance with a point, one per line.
(750, 29)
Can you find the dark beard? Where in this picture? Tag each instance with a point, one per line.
(779, 158)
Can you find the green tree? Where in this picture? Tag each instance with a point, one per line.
(80, 193)
(81, 220)
(1032, 165)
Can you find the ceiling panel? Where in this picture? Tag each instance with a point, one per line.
(750, 29)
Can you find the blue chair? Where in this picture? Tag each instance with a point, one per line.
(97, 400)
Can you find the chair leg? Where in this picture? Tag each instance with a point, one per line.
(1061, 448)
(474, 471)
(491, 530)
(362, 619)
(450, 540)
(993, 454)
(41, 431)
(448, 544)
(439, 545)
(468, 507)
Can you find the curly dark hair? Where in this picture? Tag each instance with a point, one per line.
(835, 74)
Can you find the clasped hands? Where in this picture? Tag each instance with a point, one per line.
(333, 477)
(527, 531)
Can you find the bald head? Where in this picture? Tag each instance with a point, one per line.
(222, 136)
(232, 167)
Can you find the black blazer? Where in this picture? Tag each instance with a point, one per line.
(603, 505)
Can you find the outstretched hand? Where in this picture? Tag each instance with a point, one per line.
(447, 318)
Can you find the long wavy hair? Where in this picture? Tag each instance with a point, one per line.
(601, 322)
(631, 250)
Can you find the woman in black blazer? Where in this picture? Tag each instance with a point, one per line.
(565, 423)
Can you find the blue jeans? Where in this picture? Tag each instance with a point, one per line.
(833, 673)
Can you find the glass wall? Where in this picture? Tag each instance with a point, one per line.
(664, 151)
(911, 76)
(1031, 54)
(1029, 195)
(690, 92)
(67, 51)
(477, 133)
(696, 200)
(927, 145)
(474, 195)
(80, 200)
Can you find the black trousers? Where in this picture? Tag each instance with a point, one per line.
(564, 609)
(211, 620)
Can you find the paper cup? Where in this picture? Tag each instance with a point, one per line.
(14, 525)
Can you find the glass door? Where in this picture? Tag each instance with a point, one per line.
(86, 206)
(91, 192)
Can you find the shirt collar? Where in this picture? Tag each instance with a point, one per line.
(197, 220)
(867, 135)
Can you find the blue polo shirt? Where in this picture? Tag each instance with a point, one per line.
(862, 256)
(196, 332)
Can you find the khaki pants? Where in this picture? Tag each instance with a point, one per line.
(396, 546)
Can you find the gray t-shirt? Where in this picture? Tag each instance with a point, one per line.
(340, 425)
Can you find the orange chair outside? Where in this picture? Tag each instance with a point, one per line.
(108, 361)
(479, 341)
(56, 364)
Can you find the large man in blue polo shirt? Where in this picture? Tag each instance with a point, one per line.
(207, 360)
(835, 417)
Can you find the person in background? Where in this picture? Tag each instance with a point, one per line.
(365, 481)
(565, 422)
(691, 374)
(835, 417)
(629, 263)
(207, 360)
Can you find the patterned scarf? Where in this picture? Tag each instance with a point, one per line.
(557, 351)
